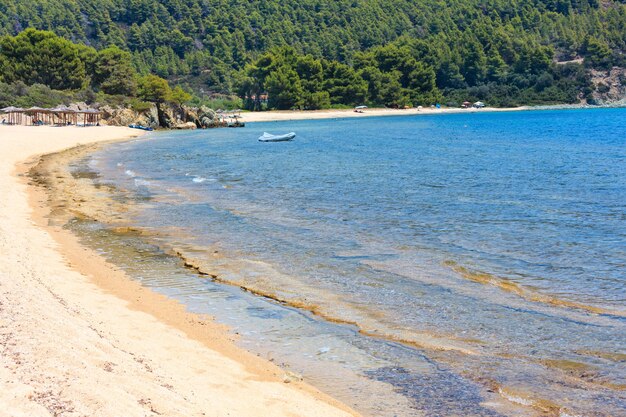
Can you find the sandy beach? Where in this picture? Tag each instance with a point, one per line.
(282, 115)
(80, 339)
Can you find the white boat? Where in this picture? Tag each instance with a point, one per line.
(267, 137)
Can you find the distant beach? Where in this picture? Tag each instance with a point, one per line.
(77, 336)
(283, 115)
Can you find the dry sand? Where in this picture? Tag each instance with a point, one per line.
(77, 338)
(281, 115)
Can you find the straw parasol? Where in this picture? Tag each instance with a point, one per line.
(63, 113)
(90, 116)
(14, 114)
(37, 114)
(35, 109)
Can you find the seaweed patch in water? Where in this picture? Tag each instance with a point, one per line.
(455, 395)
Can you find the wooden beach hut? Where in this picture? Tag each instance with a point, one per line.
(64, 116)
(90, 117)
(39, 116)
(14, 115)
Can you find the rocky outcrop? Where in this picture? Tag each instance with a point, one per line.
(182, 117)
(161, 115)
(191, 115)
(79, 106)
(118, 117)
(208, 118)
(122, 116)
(186, 125)
(610, 86)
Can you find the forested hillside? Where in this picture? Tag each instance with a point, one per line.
(316, 53)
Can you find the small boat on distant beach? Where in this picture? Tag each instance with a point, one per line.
(267, 137)
(136, 126)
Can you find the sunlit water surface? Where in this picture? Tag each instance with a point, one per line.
(467, 264)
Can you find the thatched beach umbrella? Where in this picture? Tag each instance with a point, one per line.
(65, 115)
(34, 109)
(14, 115)
(38, 114)
(90, 116)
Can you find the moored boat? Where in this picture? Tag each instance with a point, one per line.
(136, 126)
(267, 137)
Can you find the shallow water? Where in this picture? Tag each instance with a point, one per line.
(452, 264)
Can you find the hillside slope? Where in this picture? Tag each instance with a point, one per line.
(467, 43)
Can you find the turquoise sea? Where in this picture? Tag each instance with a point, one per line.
(459, 264)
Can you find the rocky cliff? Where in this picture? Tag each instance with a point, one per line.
(610, 86)
(160, 115)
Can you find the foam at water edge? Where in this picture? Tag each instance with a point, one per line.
(140, 182)
(515, 399)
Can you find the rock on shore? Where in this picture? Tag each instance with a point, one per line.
(161, 115)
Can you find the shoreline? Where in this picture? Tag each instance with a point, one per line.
(128, 350)
(288, 115)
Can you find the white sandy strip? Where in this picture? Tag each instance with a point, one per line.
(282, 115)
(68, 348)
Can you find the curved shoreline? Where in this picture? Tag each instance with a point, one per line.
(79, 336)
(193, 325)
(286, 115)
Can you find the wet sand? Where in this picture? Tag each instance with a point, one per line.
(78, 337)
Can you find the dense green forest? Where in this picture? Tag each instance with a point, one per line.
(318, 53)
